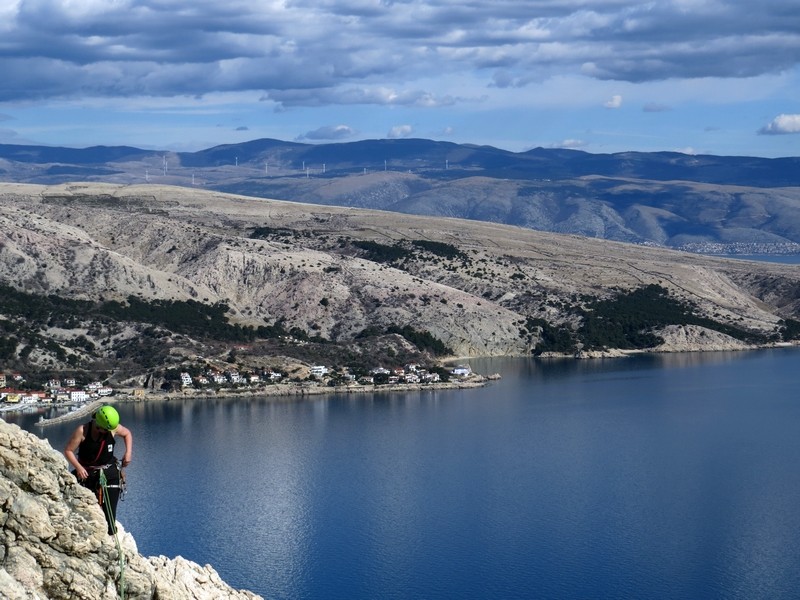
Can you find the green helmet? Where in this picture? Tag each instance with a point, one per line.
(107, 417)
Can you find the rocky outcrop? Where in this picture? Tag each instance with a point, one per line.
(54, 545)
(693, 338)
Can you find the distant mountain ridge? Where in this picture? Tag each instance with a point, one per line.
(429, 154)
(703, 203)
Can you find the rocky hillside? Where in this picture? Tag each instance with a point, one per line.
(54, 545)
(705, 204)
(342, 276)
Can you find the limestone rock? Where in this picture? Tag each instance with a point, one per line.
(54, 545)
(693, 338)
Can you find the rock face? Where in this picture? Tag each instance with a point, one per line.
(54, 545)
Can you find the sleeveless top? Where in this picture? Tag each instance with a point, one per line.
(95, 453)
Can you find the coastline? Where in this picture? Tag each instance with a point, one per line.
(286, 391)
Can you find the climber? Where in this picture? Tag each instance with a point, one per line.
(94, 444)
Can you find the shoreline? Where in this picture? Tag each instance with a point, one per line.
(289, 391)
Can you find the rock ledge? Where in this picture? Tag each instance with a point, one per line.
(54, 545)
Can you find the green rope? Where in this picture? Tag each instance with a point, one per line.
(113, 525)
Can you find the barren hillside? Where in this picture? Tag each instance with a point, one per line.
(312, 267)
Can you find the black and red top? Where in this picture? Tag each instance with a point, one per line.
(96, 452)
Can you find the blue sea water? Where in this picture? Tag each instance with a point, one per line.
(788, 259)
(667, 476)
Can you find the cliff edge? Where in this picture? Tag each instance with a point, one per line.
(54, 545)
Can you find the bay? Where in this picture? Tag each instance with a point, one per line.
(656, 476)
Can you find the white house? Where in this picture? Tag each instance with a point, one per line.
(78, 396)
(461, 370)
(319, 370)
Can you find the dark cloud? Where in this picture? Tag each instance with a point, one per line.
(308, 53)
(242, 128)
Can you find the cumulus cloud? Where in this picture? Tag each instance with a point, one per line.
(400, 131)
(569, 144)
(329, 132)
(614, 102)
(782, 124)
(307, 53)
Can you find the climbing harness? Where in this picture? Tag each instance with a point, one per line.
(105, 502)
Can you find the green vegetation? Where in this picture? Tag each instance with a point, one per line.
(423, 340)
(628, 320)
(560, 340)
(439, 249)
(265, 233)
(189, 317)
(381, 252)
(29, 315)
(789, 329)
(424, 250)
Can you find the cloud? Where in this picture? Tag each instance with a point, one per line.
(653, 107)
(242, 128)
(569, 144)
(400, 131)
(383, 96)
(782, 124)
(614, 102)
(327, 52)
(329, 132)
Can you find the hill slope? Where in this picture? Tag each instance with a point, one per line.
(343, 276)
(708, 204)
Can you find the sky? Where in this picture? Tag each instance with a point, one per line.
(695, 76)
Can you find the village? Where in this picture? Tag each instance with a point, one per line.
(66, 391)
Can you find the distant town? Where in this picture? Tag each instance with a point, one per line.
(67, 391)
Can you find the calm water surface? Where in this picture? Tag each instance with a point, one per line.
(652, 477)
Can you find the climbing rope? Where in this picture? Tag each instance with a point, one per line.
(106, 501)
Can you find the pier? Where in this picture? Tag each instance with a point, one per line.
(78, 413)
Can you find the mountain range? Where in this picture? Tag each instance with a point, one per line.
(701, 203)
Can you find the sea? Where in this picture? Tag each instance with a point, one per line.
(665, 476)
